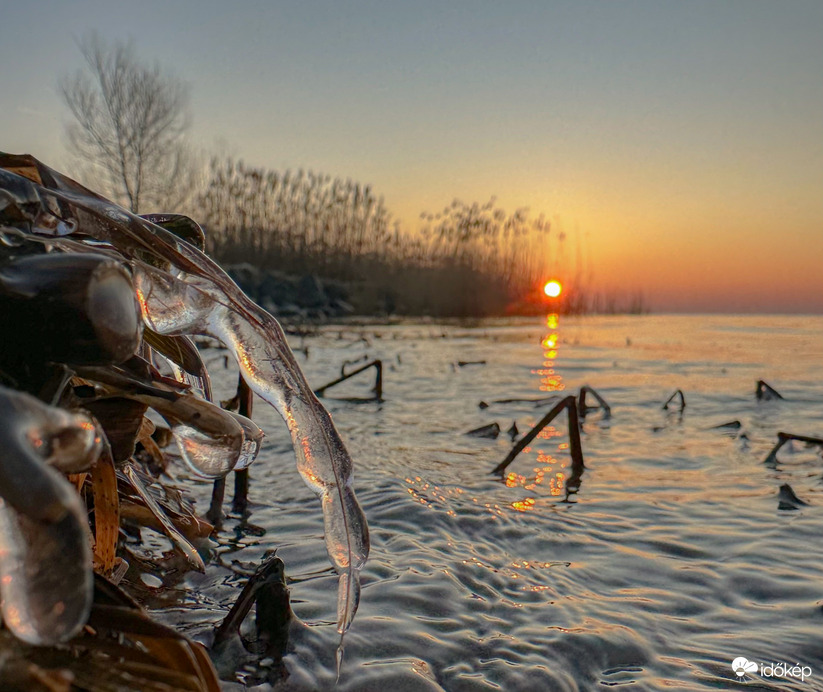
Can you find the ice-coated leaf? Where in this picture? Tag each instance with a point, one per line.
(45, 553)
(33, 438)
(197, 297)
(45, 573)
(212, 441)
(175, 305)
(183, 355)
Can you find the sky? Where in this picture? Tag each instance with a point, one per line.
(678, 145)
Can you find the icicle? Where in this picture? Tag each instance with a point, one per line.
(70, 440)
(348, 589)
(181, 356)
(338, 659)
(252, 437)
(85, 307)
(186, 304)
(200, 383)
(212, 456)
(212, 441)
(206, 455)
(32, 434)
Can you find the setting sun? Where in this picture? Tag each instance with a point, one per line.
(552, 289)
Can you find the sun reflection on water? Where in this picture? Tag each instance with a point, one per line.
(550, 381)
(549, 475)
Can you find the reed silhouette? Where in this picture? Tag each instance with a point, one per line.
(466, 260)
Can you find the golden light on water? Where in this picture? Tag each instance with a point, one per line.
(553, 288)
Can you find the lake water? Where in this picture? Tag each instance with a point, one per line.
(671, 559)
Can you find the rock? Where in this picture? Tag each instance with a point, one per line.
(341, 307)
(247, 277)
(310, 292)
(291, 310)
(287, 296)
(278, 287)
(269, 305)
(336, 291)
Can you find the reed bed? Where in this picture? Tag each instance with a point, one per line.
(465, 260)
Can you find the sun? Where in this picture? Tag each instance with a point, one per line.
(552, 289)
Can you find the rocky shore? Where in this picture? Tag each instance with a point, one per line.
(292, 297)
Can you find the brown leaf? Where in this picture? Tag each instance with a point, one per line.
(145, 438)
(106, 511)
(192, 527)
(120, 419)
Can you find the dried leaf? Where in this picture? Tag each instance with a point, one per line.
(193, 528)
(179, 541)
(182, 226)
(106, 511)
(144, 437)
(78, 480)
(120, 419)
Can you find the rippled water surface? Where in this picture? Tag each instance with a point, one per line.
(672, 558)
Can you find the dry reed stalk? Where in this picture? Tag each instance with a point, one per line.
(469, 259)
(783, 438)
(240, 501)
(377, 364)
(676, 393)
(766, 392)
(575, 448)
(582, 408)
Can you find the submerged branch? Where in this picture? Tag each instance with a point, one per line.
(766, 392)
(583, 409)
(677, 393)
(570, 404)
(377, 364)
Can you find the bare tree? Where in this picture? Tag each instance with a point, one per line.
(129, 127)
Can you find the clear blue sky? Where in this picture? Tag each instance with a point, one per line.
(680, 143)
